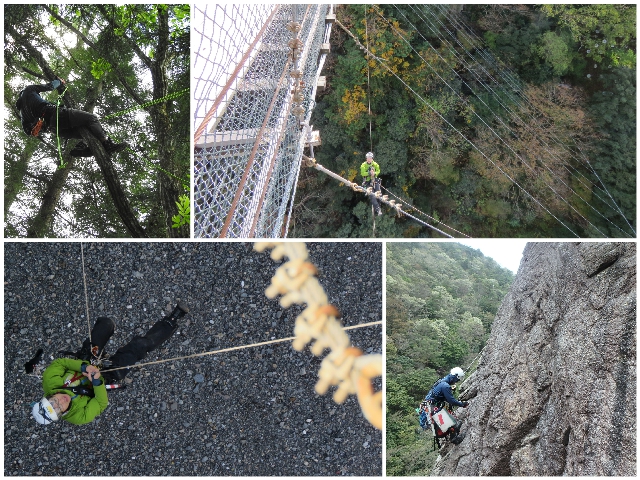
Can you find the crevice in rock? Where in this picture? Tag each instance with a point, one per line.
(602, 267)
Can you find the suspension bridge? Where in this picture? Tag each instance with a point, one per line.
(257, 70)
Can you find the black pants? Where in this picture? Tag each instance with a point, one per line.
(372, 197)
(69, 119)
(132, 352)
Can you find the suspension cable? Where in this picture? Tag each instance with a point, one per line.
(520, 121)
(462, 135)
(498, 136)
(421, 212)
(507, 75)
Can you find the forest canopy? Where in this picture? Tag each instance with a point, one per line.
(441, 302)
(129, 65)
(496, 120)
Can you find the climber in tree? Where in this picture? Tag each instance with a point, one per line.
(441, 392)
(75, 390)
(370, 171)
(38, 115)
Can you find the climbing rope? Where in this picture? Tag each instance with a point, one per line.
(425, 214)
(170, 96)
(62, 164)
(230, 349)
(86, 297)
(345, 366)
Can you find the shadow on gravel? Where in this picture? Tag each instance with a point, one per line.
(255, 413)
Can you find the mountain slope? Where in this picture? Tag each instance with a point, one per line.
(555, 390)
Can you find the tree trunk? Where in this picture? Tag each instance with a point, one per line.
(14, 175)
(112, 180)
(40, 226)
(169, 188)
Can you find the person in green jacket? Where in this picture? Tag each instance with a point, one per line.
(370, 171)
(74, 390)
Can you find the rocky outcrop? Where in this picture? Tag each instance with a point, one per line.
(555, 389)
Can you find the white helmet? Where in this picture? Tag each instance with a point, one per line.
(369, 155)
(43, 412)
(458, 372)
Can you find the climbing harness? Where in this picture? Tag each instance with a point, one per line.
(35, 131)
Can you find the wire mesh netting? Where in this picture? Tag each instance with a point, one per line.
(250, 83)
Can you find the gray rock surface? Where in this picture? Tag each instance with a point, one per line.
(248, 412)
(555, 390)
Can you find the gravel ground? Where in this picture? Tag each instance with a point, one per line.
(254, 413)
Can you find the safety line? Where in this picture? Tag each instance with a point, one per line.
(366, 36)
(357, 188)
(462, 135)
(230, 349)
(147, 104)
(86, 297)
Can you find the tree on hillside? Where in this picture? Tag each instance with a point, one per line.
(129, 65)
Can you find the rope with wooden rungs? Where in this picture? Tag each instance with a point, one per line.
(345, 366)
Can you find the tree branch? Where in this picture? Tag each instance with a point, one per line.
(139, 100)
(134, 46)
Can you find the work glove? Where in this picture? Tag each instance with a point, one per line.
(58, 83)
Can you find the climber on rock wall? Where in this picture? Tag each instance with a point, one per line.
(441, 392)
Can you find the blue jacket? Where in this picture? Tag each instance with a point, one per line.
(442, 391)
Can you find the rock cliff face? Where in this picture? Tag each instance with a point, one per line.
(555, 389)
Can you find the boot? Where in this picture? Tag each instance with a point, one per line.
(179, 311)
(81, 150)
(110, 146)
(458, 439)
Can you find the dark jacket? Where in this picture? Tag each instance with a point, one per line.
(32, 106)
(442, 391)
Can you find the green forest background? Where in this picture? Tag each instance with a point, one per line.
(122, 63)
(441, 302)
(563, 101)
